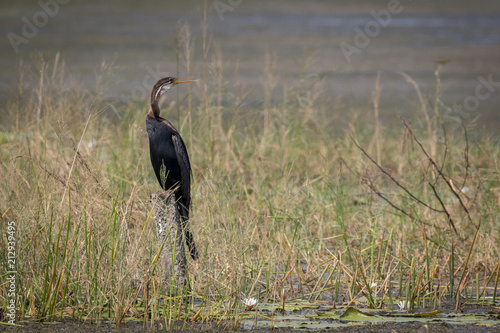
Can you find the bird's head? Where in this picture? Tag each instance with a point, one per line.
(166, 83)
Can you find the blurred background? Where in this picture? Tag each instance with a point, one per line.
(344, 44)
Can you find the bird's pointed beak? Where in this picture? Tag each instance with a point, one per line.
(186, 79)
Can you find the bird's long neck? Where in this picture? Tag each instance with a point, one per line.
(154, 110)
(158, 90)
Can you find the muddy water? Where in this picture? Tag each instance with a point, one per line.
(343, 42)
(70, 327)
(304, 316)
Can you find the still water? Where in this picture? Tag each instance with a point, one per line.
(343, 43)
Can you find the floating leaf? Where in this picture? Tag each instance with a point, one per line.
(353, 314)
(415, 315)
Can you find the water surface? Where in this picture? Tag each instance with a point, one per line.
(302, 37)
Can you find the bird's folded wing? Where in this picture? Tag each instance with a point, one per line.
(183, 159)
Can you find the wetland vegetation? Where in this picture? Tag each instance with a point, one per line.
(376, 222)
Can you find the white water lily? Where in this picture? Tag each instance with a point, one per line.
(249, 302)
(403, 305)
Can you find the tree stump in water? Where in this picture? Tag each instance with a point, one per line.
(171, 237)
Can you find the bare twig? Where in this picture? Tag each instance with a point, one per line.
(381, 196)
(441, 174)
(394, 180)
(448, 216)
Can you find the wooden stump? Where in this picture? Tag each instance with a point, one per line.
(171, 237)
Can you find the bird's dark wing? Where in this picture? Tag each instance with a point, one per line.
(185, 200)
(185, 167)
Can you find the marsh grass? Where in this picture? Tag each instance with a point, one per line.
(286, 206)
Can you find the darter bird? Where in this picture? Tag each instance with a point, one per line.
(169, 156)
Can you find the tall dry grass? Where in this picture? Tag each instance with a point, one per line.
(285, 205)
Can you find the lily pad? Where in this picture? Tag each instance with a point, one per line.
(353, 314)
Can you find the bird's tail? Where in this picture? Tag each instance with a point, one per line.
(184, 214)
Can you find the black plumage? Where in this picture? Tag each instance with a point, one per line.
(169, 156)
